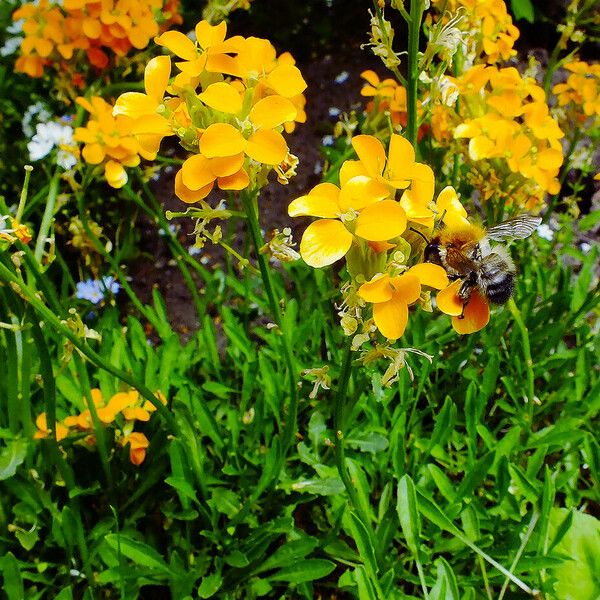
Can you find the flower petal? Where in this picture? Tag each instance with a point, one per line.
(401, 160)
(208, 35)
(222, 139)
(272, 111)
(430, 275)
(361, 191)
(448, 205)
(370, 152)
(187, 195)
(476, 315)
(237, 181)
(324, 242)
(381, 221)
(196, 172)
(156, 77)
(391, 317)
(178, 43)
(226, 166)
(321, 201)
(222, 96)
(423, 183)
(266, 146)
(286, 80)
(115, 174)
(134, 104)
(448, 300)
(407, 286)
(377, 290)
(350, 169)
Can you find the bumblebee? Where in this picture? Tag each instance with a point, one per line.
(466, 254)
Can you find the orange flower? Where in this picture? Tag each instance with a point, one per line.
(138, 443)
(43, 431)
(467, 316)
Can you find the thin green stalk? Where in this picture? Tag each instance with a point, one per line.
(516, 313)
(414, 29)
(340, 454)
(249, 200)
(47, 216)
(486, 581)
(23, 197)
(81, 345)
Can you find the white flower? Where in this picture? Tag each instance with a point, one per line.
(545, 232)
(50, 135)
(327, 140)
(37, 110)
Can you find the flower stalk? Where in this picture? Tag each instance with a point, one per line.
(414, 29)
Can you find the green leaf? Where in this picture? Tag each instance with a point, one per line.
(289, 553)
(364, 545)
(365, 587)
(330, 486)
(446, 587)
(11, 457)
(368, 442)
(309, 569)
(27, 539)
(138, 552)
(406, 507)
(210, 585)
(522, 9)
(13, 583)
(579, 578)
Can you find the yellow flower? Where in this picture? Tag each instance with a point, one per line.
(43, 432)
(138, 443)
(467, 317)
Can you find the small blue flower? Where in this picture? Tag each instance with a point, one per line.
(93, 290)
(342, 77)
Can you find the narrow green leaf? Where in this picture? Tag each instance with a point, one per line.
(309, 569)
(406, 506)
(138, 552)
(364, 545)
(210, 585)
(13, 583)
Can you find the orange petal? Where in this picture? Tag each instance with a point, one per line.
(286, 80)
(423, 183)
(236, 181)
(208, 35)
(476, 315)
(222, 139)
(381, 221)
(196, 172)
(266, 146)
(222, 96)
(115, 174)
(430, 275)
(190, 196)
(350, 169)
(370, 152)
(272, 111)
(391, 317)
(448, 300)
(407, 286)
(226, 166)
(135, 104)
(377, 290)
(324, 242)
(136, 413)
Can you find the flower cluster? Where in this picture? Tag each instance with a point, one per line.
(11, 230)
(366, 220)
(491, 33)
(582, 89)
(94, 290)
(123, 409)
(51, 135)
(505, 117)
(109, 141)
(229, 104)
(56, 33)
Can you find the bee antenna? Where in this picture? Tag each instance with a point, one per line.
(419, 233)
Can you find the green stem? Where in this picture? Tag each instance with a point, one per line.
(47, 217)
(414, 29)
(249, 199)
(516, 313)
(23, 197)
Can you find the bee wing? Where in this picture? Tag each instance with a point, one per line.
(515, 229)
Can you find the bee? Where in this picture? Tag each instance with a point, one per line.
(466, 254)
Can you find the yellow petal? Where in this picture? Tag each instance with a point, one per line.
(267, 146)
(476, 315)
(272, 111)
(381, 221)
(448, 205)
(187, 195)
(237, 181)
(223, 97)
(407, 286)
(550, 159)
(413, 208)
(156, 77)
(152, 125)
(226, 166)
(222, 139)
(423, 183)
(362, 191)
(430, 275)
(350, 169)
(286, 80)
(324, 242)
(134, 104)
(178, 43)
(321, 201)
(196, 172)
(391, 317)
(370, 152)
(208, 35)
(136, 413)
(401, 161)
(448, 300)
(93, 154)
(376, 290)
(115, 174)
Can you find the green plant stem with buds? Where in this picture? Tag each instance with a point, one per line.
(414, 29)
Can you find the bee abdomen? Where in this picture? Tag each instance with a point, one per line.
(499, 287)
